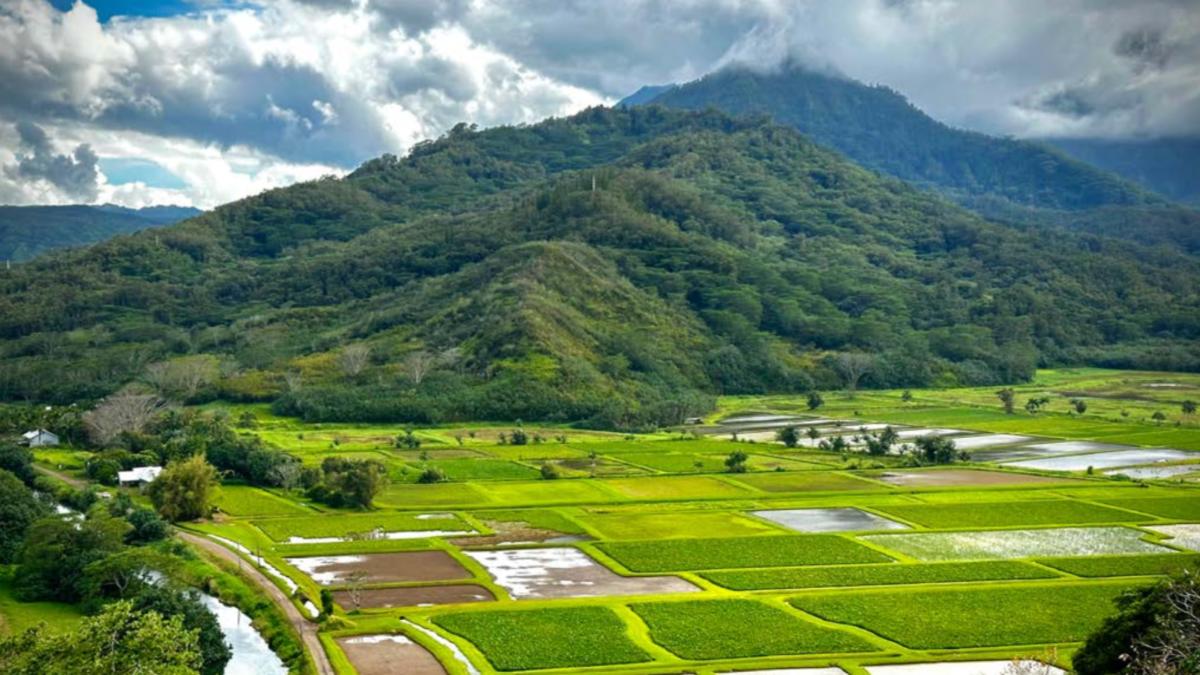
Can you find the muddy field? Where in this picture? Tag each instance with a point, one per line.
(955, 477)
(514, 533)
(418, 596)
(567, 573)
(381, 568)
(964, 668)
(382, 654)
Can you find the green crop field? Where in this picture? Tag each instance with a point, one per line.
(680, 555)
(675, 524)
(340, 525)
(1124, 565)
(876, 575)
(1011, 514)
(573, 637)
(678, 574)
(751, 629)
(977, 617)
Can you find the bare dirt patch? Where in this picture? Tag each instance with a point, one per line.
(382, 568)
(508, 533)
(415, 596)
(955, 477)
(383, 654)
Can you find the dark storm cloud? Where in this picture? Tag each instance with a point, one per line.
(75, 175)
(1144, 46)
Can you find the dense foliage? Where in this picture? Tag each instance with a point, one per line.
(1019, 182)
(619, 267)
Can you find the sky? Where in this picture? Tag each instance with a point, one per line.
(201, 102)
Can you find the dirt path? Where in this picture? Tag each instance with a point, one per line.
(306, 629)
(73, 482)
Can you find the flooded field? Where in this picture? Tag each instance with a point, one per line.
(988, 441)
(567, 573)
(1184, 536)
(1103, 460)
(830, 520)
(1006, 544)
(381, 568)
(786, 671)
(1156, 472)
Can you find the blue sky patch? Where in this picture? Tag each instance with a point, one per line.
(121, 170)
(107, 9)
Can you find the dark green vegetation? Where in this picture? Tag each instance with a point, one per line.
(676, 555)
(546, 638)
(876, 575)
(484, 278)
(977, 617)
(1156, 630)
(1018, 182)
(27, 231)
(749, 628)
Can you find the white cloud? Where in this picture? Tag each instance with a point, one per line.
(233, 100)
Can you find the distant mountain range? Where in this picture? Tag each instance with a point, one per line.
(1168, 166)
(1017, 182)
(27, 231)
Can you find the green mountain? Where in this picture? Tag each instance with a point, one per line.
(1168, 166)
(27, 231)
(618, 266)
(1006, 180)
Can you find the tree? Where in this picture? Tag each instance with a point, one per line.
(736, 462)
(432, 475)
(1034, 405)
(548, 471)
(906, 396)
(1156, 631)
(408, 440)
(1188, 407)
(19, 508)
(1158, 417)
(350, 482)
(326, 602)
(121, 413)
(184, 377)
(853, 366)
(147, 526)
(417, 365)
(1079, 405)
(175, 602)
(18, 460)
(353, 359)
(814, 400)
(354, 586)
(518, 437)
(880, 444)
(813, 433)
(789, 436)
(1008, 399)
(123, 574)
(118, 640)
(57, 551)
(937, 450)
(185, 490)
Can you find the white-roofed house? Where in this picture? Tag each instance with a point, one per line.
(39, 438)
(138, 475)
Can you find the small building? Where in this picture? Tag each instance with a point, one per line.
(138, 475)
(39, 438)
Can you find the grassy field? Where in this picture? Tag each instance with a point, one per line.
(998, 562)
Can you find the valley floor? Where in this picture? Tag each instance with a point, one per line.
(646, 556)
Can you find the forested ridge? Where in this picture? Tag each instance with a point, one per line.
(27, 231)
(1006, 180)
(619, 267)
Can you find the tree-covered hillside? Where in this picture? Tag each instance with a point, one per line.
(619, 266)
(1168, 166)
(26, 231)
(1003, 179)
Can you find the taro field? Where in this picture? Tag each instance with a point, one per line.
(646, 555)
